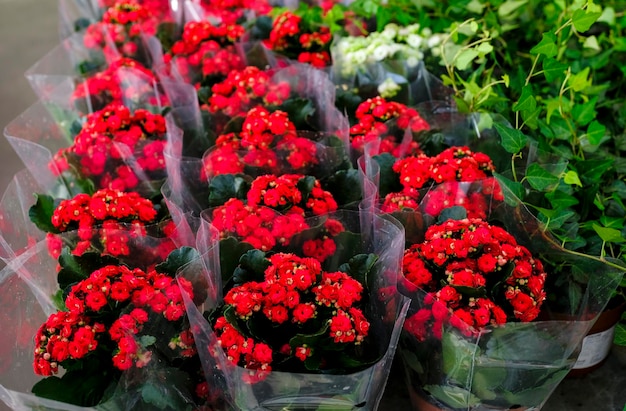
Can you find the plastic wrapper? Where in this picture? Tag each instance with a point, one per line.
(517, 364)
(117, 27)
(29, 288)
(298, 390)
(72, 78)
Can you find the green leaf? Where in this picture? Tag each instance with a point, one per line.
(526, 101)
(513, 140)
(571, 177)
(512, 190)
(595, 132)
(345, 186)
(84, 386)
(580, 80)
(77, 268)
(231, 251)
(539, 178)
(452, 213)
(583, 20)
(300, 111)
(453, 396)
(591, 42)
(553, 69)
(177, 259)
(610, 235)
(465, 58)
(508, 7)
(591, 171)
(389, 181)
(252, 266)
(559, 199)
(360, 266)
(620, 337)
(584, 113)
(547, 45)
(41, 213)
(226, 186)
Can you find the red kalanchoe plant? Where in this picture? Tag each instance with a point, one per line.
(450, 174)
(291, 193)
(474, 275)
(386, 122)
(109, 222)
(206, 53)
(107, 87)
(83, 328)
(231, 11)
(121, 27)
(243, 89)
(117, 149)
(261, 227)
(295, 297)
(296, 38)
(264, 138)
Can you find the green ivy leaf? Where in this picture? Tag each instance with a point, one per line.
(547, 45)
(539, 178)
(595, 132)
(583, 20)
(591, 171)
(553, 69)
(610, 235)
(41, 213)
(507, 8)
(580, 80)
(177, 259)
(465, 58)
(571, 177)
(512, 190)
(513, 140)
(584, 113)
(560, 199)
(526, 101)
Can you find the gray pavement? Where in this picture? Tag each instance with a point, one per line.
(28, 30)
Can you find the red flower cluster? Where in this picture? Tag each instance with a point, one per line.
(283, 194)
(105, 87)
(295, 293)
(289, 37)
(262, 227)
(93, 319)
(123, 23)
(265, 138)
(206, 51)
(244, 89)
(117, 148)
(107, 221)
(374, 122)
(231, 11)
(475, 274)
(450, 169)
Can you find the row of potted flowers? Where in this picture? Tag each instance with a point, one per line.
(226, 220)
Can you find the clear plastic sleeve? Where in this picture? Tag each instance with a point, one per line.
(362, 388)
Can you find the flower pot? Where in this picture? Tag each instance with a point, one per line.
(597, 344)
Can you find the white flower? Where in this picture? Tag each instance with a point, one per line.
(381, 52)
(388, 88)
(414, 41)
